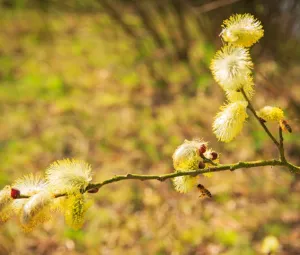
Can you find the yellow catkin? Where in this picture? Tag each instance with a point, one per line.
(36, 210)
(75, 208)
(28, 185)
(186, 158)
(5, 203)
(184, 184)
(231, 67)
(229, 122)
(234, 96)
(242, 30)
(67, 176)
(270, 245)
(270, 113)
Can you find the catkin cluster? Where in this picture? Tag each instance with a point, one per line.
(192, 155)
(232, 69)
(33, 198)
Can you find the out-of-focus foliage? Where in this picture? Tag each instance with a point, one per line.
(121, 84)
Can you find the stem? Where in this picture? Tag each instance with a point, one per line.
(207, 160)
(194, 173)
(219, 168)
(279, 144)
(281, 147)
(260, 120)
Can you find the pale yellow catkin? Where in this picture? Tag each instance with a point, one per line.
(68, 175)
(36, 210)
(230, 120)
(242, 30)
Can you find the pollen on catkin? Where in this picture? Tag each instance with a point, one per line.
(229, 122)
(242, 30)
(231, 67)
(29, 185)
(187, 157)
(75, 207)
(5, 202)
(234, 96)
(67, 176)
(36, 210)
(184, 184)
(270, 113)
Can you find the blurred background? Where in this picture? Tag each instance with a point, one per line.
(120, 84)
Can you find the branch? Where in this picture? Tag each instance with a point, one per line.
(279, 144)
(219, 168)
(260, 120)
(251, 164)
(281, 147)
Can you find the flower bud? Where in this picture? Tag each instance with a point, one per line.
(93, 190)
(202, 148)
(14, 193)
(201, 165)
(214, 155)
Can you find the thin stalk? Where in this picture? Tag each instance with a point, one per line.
(281, 147)
(161, 178)
(251, 108)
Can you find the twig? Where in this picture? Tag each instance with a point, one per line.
(219, 168)
(207, 160)
(281, 147)
(259, 119)
(161, 178)
(279, 144)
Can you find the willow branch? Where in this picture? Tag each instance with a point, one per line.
(207, 160)
(281, 147)
(193, 173)
(161, 178)
(251, 108)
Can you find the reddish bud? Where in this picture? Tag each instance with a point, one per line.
(202, 148)
(14, 193)
(201, 165)
(214, 155)
(93, 190)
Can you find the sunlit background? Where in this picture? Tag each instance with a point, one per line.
(120, 84)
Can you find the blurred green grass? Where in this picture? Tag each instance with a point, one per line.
(74, 86)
